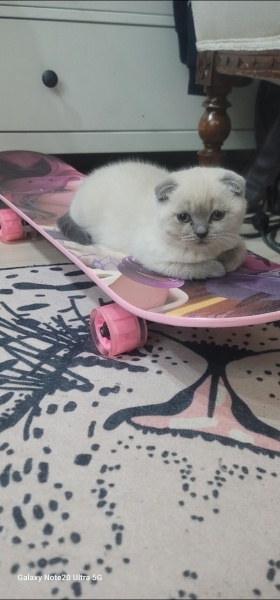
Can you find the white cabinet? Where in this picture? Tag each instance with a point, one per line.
(120, 84)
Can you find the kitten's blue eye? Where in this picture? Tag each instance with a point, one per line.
(184, 217)
(218, 215)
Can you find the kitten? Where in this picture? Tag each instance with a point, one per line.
(183, 224)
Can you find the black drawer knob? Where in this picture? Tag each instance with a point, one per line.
(50, 79)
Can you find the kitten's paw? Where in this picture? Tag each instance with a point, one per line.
(232, 259)
(204, 270)
(189, 271)
(214, 269)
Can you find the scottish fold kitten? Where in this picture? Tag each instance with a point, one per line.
(183, 224)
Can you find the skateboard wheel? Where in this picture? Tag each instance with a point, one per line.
(11, 227)
(114, 330)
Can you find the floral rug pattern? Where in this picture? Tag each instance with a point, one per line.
(151, 475)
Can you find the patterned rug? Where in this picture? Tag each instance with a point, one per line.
(152, 475)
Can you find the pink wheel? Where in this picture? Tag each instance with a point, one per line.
(114, 330)
(11, 227)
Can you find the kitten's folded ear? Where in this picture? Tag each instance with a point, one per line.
(162, 190)
(234, 182)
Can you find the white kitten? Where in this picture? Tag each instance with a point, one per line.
(182, 224)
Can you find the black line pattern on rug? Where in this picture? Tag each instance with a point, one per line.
(44, 357)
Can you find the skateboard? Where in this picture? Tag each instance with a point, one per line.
(38, 189)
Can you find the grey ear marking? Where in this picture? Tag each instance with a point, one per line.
(162, 190)
(235, 183)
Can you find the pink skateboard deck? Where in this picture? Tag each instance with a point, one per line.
(39, 188)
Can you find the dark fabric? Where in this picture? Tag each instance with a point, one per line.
(263, 177)
(266, 109)
(184, 26)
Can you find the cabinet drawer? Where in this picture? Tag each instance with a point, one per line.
(110, 77)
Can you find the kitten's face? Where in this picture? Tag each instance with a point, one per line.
(201, 209)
